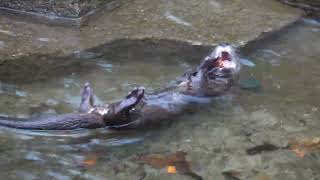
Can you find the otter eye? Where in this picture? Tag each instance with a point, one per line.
(224, 44)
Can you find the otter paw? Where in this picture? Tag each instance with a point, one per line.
(131, 100)
(137, 93)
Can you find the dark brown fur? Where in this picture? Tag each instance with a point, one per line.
(136, 109)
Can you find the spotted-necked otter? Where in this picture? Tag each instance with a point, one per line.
(213, 77)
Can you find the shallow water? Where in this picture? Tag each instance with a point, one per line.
(215, 138)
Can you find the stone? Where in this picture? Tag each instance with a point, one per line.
(203, 23)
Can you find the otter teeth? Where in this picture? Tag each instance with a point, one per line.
(229, 64)
(101, 111)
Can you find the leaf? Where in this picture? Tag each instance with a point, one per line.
(305, 145)
(171, 169)
(90, 161)
(174, 163)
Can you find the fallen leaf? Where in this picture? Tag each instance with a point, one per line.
(175, 163)
(171, 170)
(304, 145)
(298, 152)
(90, 162)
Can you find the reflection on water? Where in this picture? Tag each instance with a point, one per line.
(216, 138)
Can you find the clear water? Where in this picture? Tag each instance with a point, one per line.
(215, 138)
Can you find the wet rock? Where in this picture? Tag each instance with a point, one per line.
(305, 4)
(264, 118)
(68, 12)
(208, 22)
(240, 167)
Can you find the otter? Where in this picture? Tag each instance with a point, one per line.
(213, 77)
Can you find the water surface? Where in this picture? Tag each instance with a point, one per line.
(216, 138)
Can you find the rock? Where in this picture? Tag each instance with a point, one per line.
(68, 12)
(312, 7)
(303, 3)
(66, 8)
(208, 22)
(264, 118)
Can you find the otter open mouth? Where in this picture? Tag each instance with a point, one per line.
(221, 66)
(224, 60)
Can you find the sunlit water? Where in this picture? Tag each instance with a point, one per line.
(215, 137)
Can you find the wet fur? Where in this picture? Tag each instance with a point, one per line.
(136, 109)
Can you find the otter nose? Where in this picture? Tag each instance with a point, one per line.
(224, 44)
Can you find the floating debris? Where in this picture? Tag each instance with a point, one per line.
(176, 19)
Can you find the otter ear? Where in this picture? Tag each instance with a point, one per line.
(87, 100)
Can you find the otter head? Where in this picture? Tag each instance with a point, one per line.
(216, 74)
(223, 62)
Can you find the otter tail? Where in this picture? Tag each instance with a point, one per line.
(60, 122)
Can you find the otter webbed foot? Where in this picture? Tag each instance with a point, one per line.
(120, 113)
(131, 100)
(87, 101)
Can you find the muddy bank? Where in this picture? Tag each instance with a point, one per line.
(205, 22)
